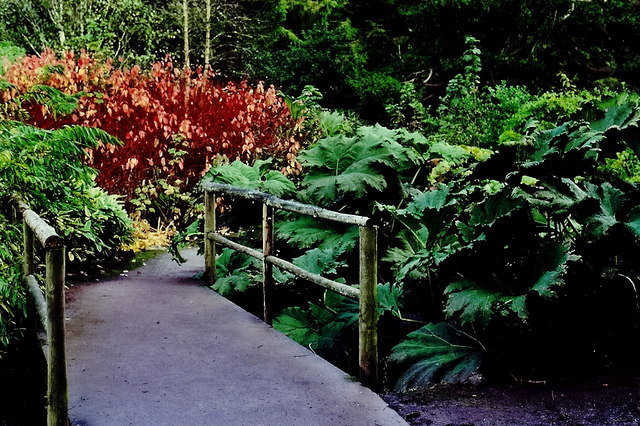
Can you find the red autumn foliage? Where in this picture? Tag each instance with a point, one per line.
(158, 111)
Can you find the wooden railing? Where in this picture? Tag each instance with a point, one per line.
(50, 310)
(366, 294)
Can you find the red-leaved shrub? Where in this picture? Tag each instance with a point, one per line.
(173, 122)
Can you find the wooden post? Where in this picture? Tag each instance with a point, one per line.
(57, 396)
(209, 244)
(368, 318)
(267, 268)
(28, 264)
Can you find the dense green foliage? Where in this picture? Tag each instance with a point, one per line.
(360, 54)
(393, 42)
(500, 248)
(12, 298)
(44, 167)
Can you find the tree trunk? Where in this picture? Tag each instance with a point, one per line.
(207, 35)
(185, 28)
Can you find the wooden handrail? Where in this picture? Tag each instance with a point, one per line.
(49, 309)
(366, 294)
(292, 206)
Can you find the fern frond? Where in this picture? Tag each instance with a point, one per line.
(58, 102)
(84, 137)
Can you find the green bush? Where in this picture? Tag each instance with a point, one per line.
(44, 167)
(324, 58)
(503, 252)
(12, 297)
(8, 54)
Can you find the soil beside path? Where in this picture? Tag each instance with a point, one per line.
(607, 398)
(155, 347)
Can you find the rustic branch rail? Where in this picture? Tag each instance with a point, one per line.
(50, 311)
(366, 294)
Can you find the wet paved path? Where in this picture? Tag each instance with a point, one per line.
(158, 348)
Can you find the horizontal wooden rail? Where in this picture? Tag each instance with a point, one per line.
(366, 294)
(49, 309)
(42, 230)
(38, 299)
(292, 206)
(340, 288)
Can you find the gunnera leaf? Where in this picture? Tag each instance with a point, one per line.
(233, 273)
(256, 177)
(436, 352)
(306, 232)
(319, 261)
(620, 116)
(298, 324)
(340, 166)
(475, 304)
(599, 220)
(316, 328)
(490, 296)
(347, 309)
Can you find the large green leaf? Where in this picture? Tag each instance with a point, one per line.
(436, 352)
(237, 283)
(436, 199)
(275, 183)
(257, 177)
(473, 303)
(599, 213)
(554, 197)
(234, 273)
(489, 294)
(618, 116)
(320, 261)
(348, 309)
(306, 232)
(340, 166)
(493, 208)
(633, 225)
(316, 328)
(298, 324)
(557, 259)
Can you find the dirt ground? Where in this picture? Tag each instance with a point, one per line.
(610, 399)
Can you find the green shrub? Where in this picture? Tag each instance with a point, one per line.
(12, 297)
(8, 54)
(44, 167)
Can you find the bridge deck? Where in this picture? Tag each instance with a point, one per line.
(157, 348)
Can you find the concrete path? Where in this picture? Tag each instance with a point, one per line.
(158, 348)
